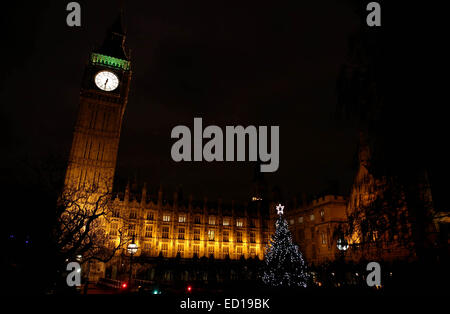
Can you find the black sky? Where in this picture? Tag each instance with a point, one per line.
(229, 62)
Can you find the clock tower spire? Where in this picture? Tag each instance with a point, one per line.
(103, 99)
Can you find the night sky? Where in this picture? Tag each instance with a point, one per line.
(229, 62)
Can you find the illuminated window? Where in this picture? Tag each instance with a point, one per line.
(182, 218)
(113, 230)
(131, 230)
(226, 251)
(147, 246)
(180, 249)
(165, 232)
(181, 233)
(252, 251)
(252, 237)
(300, 219)
(166, 217)
(197, 220)
(211, 250)
(212, 220)
(226, 236)
(211, 235)
(322, 213)
(197, 249)
(238, 236)
(239, 223)
(196, 234)
(291, 221)
(226, 221)
(165, 248)
(239, 250)
(311, 217)
(375, 236)
(150, 216)
(324, 238)
(148, 231)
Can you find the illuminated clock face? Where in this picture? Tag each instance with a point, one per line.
(106, 81)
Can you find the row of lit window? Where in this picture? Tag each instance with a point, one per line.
(211, 234)
(311, 218)
(196, 249)
(181, 233)
(197, 219)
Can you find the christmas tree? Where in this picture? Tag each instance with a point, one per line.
(284, 264)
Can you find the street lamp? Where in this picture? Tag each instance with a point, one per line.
(132, 249)
(342, 244)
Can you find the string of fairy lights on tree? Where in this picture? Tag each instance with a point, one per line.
(284, 263)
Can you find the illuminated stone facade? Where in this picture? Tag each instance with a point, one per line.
(93, 156)
(316, 226)
(365, 191)
(188, 228)
(312, 226)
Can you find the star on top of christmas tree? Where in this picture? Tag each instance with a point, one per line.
(280, 209)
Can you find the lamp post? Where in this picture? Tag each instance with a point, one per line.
(132, 249)
(342, 244)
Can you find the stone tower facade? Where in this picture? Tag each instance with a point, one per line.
(103, 99)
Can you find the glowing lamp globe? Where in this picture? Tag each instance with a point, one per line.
(132, 248)
(342, 244)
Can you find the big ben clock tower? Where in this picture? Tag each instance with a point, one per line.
(103, 98)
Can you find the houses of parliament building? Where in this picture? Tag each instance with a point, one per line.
(181, 228)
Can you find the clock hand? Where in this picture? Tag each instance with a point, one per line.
(106, 82)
